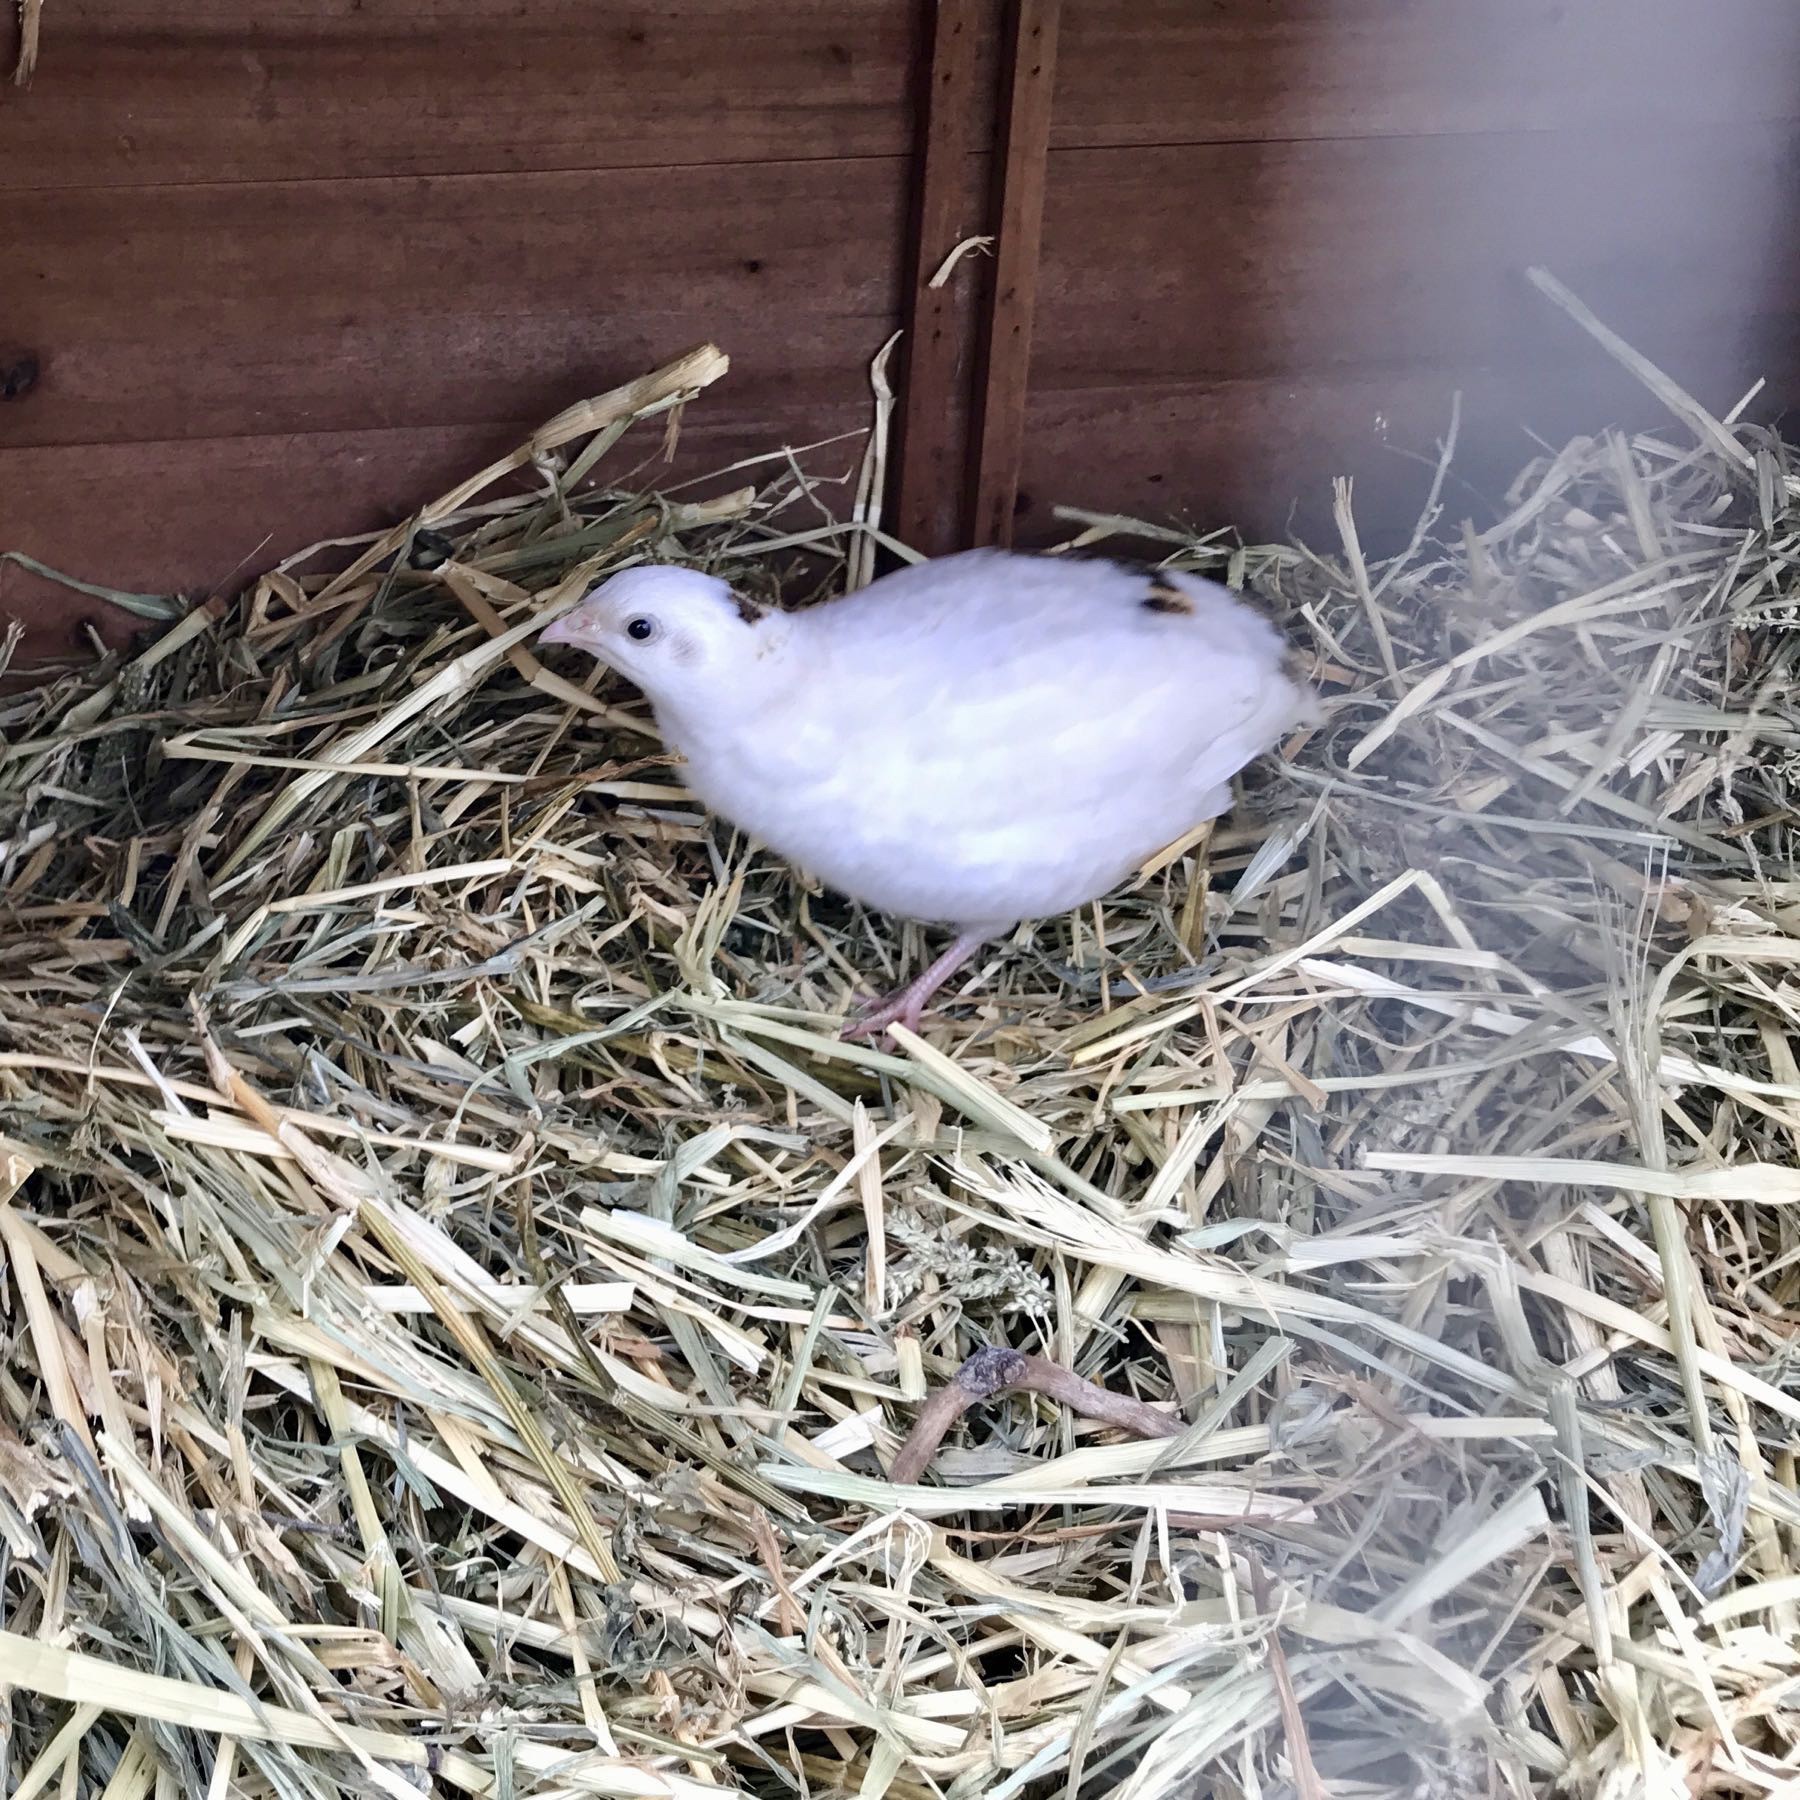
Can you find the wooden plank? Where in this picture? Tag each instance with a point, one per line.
(1171, 71)
(186, 515)
(1334, 296)
(1006, 346)
(1259, 454)
(327, 306)
(1234, 260)
(133, 92)
(931, 481)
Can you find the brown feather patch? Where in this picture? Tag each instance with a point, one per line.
(747, 609)
(1163, 598)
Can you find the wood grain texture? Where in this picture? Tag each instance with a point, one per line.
(288, 267)
(1259, 454)
(196, 514)
(1189, 71)
(1224, 327)
(1003, 377)
(206, 311)
(1227, 261)
(955, 88)
(135, 93)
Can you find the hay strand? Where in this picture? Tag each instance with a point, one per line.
(462, 1295)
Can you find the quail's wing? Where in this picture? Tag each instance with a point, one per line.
(986, 685)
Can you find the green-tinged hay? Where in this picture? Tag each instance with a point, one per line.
(462, 1298)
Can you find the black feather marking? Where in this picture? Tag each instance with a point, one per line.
(1163, 598)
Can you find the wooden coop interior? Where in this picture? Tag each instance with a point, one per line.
(277, 271)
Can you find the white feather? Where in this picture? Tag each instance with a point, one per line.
(970, 741)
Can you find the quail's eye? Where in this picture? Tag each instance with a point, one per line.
(641, 629)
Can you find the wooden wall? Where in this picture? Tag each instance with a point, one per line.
(292, 265)
(1280, 234)
(289, 265)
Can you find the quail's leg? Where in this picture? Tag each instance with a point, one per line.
(906, 1005)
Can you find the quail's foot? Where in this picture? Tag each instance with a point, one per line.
(906, 1006)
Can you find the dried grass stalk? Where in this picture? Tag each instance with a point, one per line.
(462, 1296)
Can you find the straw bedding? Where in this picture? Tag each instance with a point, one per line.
(461, 1299)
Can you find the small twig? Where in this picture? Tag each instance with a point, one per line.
(998, 1370)
(968, 247)
(1088, 981)
(790, 1615)
(31, 15)
(1307, 1784)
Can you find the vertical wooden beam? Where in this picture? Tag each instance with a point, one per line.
(1005, 363)
(930, 491)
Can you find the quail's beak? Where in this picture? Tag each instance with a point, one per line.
(558, 630)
